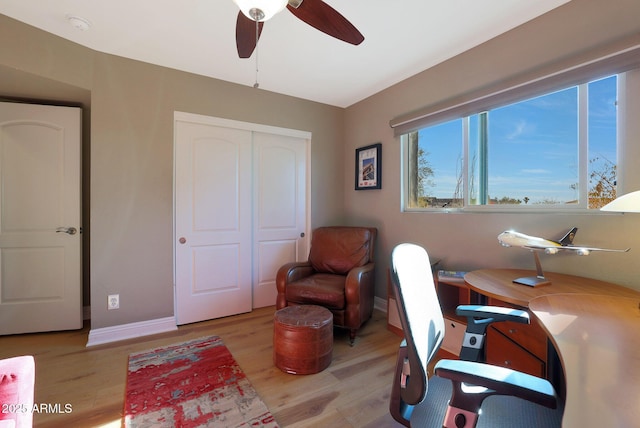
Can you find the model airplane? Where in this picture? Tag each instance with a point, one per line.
(511, 238)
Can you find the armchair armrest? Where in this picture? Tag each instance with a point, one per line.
(356, 277)
(497, 380)
(359, 291)
(287, 273)
(290, 272)
(478, 319)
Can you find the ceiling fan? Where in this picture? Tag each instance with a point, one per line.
(316, 13)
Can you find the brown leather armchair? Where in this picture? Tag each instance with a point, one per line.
(339, 275)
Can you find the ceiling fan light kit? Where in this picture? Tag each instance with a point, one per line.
(260, 10)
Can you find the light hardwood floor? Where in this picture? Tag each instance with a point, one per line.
(352, 392)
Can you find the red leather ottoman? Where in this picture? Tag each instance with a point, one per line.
(302, 339)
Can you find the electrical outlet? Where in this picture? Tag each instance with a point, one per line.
(113, 301)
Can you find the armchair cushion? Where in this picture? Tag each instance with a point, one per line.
(322, 289)
(338, 249)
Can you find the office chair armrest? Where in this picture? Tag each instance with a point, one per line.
(491, 314)
(478, 319)
(498, 381)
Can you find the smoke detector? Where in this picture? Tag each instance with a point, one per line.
(78, 22)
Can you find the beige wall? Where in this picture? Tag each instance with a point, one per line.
(465, 241)
(129, 155)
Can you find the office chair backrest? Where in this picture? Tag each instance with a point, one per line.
(420, 314)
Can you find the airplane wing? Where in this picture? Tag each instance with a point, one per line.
(576, 248)
(581, 251)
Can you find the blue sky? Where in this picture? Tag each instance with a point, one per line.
(532, 145)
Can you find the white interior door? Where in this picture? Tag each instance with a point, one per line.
(40, 241)
(280, 214)
(213, 221)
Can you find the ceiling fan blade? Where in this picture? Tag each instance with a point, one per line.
(246, 35)
(323, 17)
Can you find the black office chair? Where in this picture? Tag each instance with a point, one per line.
(453, 397)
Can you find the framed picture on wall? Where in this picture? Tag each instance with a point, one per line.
(369, 167)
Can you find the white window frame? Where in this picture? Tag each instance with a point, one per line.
(583, 165)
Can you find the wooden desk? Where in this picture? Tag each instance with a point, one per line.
(595, 328)
(498, 283)
(598, 339)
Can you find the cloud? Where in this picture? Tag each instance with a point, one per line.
(521, 127)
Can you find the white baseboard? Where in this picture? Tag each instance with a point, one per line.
(380, 304)
(100, 336)
(104, 335)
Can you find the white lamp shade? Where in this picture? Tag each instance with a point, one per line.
(629, 203)
(260, 10)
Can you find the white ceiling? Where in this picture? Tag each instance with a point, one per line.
(402, 38)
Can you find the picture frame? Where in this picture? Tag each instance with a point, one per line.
(369, 167)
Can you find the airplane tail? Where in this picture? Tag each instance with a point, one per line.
(568, 238)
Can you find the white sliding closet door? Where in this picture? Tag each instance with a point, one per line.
(280, 213)
(240, 213)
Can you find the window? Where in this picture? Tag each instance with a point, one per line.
(556, 150)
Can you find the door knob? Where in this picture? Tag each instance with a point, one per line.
(302, 235)
(182, 240)
(68, 230)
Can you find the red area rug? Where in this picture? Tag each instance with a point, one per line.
(191, 384)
